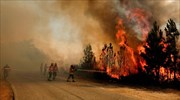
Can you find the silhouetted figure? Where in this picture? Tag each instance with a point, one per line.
(6, 72)
(55, 69)
(71, 73)
(50, 72)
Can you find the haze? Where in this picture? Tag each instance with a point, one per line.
(35, 32)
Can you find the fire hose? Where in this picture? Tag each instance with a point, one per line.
(92, 71)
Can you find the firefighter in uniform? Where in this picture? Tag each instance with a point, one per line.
(50, 72)
(71, 73)
(55, 69)
(6, 71)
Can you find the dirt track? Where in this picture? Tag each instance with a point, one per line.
(33, 86)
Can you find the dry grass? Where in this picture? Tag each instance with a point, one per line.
(6, 92)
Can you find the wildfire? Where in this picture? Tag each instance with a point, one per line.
(113, 74)
(122, 62)
(143, 64)
(167, 75)
(141, 49)
(120, 35)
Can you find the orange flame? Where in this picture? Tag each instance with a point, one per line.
(130, 63)
(141, 49)
(121, 36)
(113, 74)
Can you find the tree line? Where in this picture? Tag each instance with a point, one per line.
(161, 50)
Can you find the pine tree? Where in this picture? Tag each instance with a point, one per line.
(172, 36)
(154, 55)
(88, 59)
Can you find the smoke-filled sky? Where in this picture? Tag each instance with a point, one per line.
(35, 32)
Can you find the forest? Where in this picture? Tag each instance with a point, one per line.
(157, 61)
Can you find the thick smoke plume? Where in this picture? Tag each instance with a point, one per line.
(33, 32)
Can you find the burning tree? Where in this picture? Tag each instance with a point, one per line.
(161, 54)
(172, 35)
(88, 59)
(154, 54)
(119, 63)
(158, 56)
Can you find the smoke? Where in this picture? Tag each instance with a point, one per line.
(33, 32)
(137, 15)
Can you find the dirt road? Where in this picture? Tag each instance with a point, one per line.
(33, 86)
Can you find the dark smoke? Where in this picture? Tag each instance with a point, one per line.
(56, 30)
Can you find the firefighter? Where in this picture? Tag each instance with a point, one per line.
(6, 71)
(71, 73)
(50, 72)
(55, 69)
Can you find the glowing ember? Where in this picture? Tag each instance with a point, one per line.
(141, 49)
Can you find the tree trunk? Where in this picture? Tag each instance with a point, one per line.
(174, 74)
(167, 74)
(157, 75)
